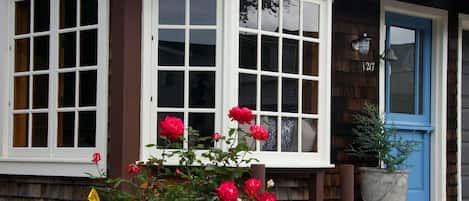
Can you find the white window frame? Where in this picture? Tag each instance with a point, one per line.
(229, 19)
(51, 161)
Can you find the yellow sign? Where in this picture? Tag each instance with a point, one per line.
(93, 195)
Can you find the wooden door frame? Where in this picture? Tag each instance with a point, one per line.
(438, 105)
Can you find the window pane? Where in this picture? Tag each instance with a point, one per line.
(269, 93)
(289, 134)
(171, 47)
(21, 55)
(310, 19)
(172, 12)
(251, 142)
(310, 58)
(67, 89)
(309, 135)
(202, 89)
(290, 56)
(22, 92)
(402, 75)
(202, 48)
(291, 17)
(65, 129)
(204, 12)
(87, 129)
(67, 50)
(247, 91)
(22, 17)
(88, 81)
(248, 13)
(68, 13)
(20, 130)
(248, 50)
(88, 47)
(310, 97)
(270, 12)
(41, 15)
(40, 129)
(40, 91)
(270, 123)
(204, 123)
(289, 95)
(170, 83)
(269, 59)
(89, 12)
(41, 53)
(162, 141)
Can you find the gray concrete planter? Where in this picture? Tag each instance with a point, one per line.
(382, 185)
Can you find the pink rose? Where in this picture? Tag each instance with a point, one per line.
(227, 191)
(258, 132)
(266, 197)
(96, 157)
(216, 136)
(133, 169)
(241, 115)
(251, 187)
(172, 128)
(178, 171)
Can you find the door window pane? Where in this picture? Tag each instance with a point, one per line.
(247, 50)
(269, 92)
(202, 89)
(20, 130)
(289, 134)
(291, 17)
(88, 47)
(248, 13)
(269, 49)
(40, 129)
(22, 17)
(170, 83)
(67, 50)
(21, 92)
(67, 89)
(202, 48)
(87, 129)
(310, 58)
(309, 135)
(41, 15)
(270, 12)
(172, 12)
(89, 12)
(247, 91)
(68, 13)
(204, 124)
(88, 88)
(290, 56)
(41, 53)
(289, 95)
(270, 123)
(40, 91)
(310, 19)
(171, 47)
(203, 12)
(310, 97)
(65, 129)
(402, 75)
(22, 55)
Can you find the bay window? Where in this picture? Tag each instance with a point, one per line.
(201, 57)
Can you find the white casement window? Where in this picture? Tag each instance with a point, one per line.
(57, 66)
(272, 56)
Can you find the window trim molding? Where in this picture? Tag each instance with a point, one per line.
(229, 55)
(69, 162)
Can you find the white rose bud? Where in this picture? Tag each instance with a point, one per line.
(270, 183)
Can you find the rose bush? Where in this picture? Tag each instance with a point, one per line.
(215, 174)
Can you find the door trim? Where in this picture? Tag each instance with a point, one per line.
(463, 25)
(438, 82)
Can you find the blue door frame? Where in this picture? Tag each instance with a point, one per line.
(416, 125)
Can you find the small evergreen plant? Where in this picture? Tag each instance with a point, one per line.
(373, 139)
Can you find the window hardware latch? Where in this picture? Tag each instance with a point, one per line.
(151, 98)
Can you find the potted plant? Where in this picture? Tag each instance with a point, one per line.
(389, 180)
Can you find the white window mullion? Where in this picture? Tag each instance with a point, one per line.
(53, 77)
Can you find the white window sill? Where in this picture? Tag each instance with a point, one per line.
(48, 167)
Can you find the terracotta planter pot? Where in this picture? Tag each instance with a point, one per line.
(382, 185)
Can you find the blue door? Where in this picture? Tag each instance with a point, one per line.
(408, 94)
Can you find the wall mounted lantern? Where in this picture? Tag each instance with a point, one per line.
(362, 44)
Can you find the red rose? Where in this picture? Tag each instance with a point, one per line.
(266, 197)
(172, 128)
(242, 115)
(96, 157)
(251, 186)
(259, 132)
(216, 136)
(133, 169)
(178, 171)
(227, 191)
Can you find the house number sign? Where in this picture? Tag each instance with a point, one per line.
(368, 66)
